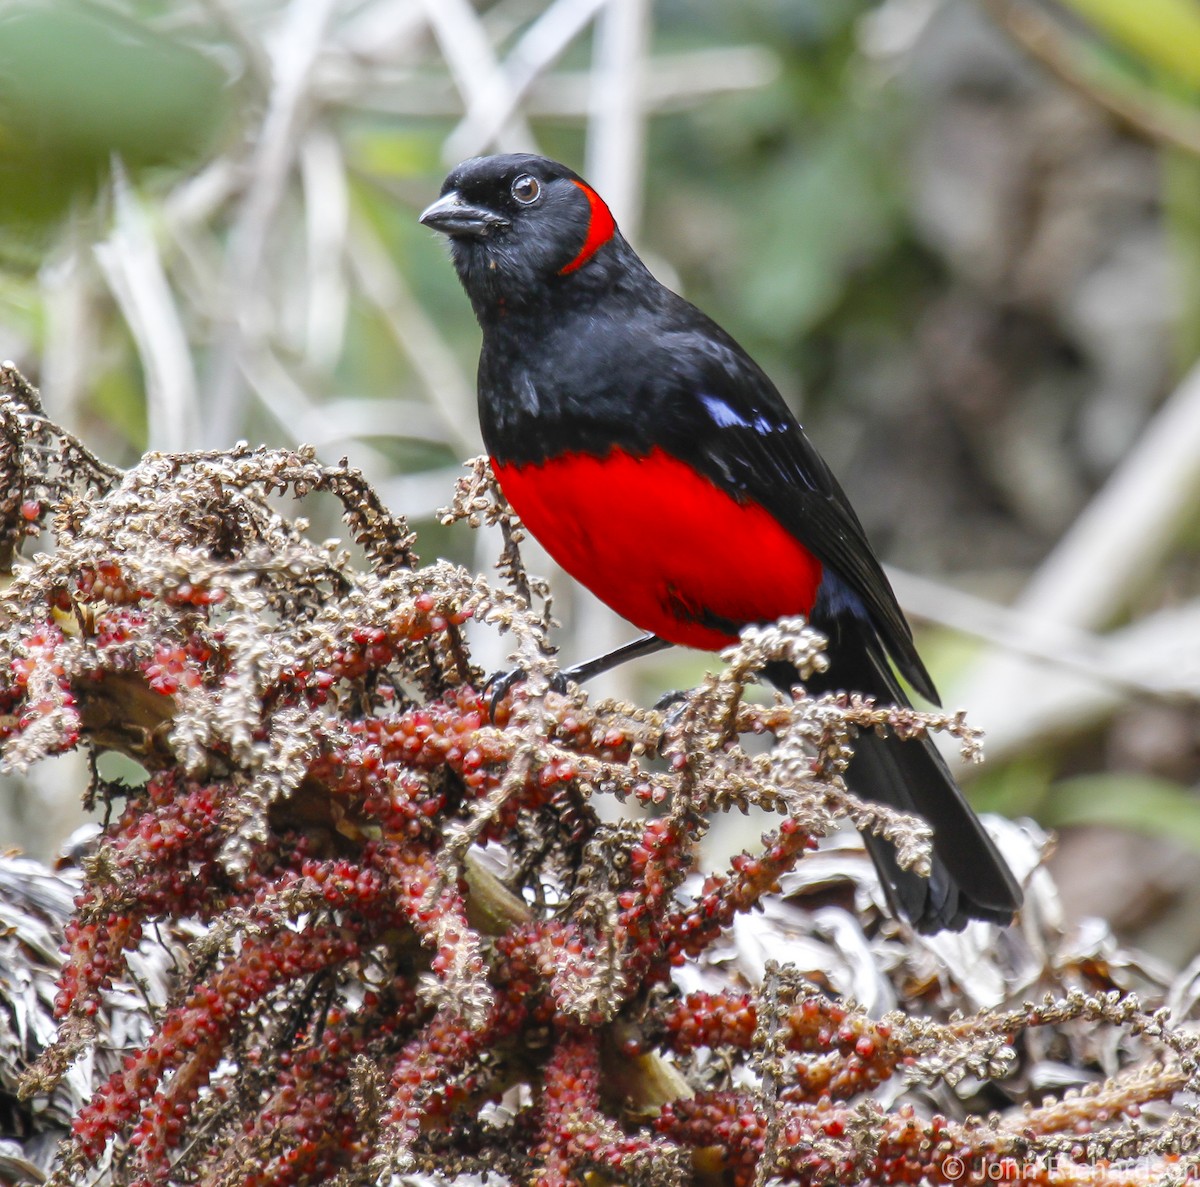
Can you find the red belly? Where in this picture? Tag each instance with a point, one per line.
(662, 545)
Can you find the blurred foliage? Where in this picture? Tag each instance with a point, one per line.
(80, 84)
(1017, 788)
(808, 177)
(1163, 35)
(1127, 800)
(1142, 61)
(1181, 195)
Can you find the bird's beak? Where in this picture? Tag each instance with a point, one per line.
(452, 216)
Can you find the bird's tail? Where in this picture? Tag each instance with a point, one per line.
(969, 879)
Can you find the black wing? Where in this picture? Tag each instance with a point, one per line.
(718, 410)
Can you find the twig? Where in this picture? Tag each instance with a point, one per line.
(291, 408)
(68, 287)
(1050, 703)
(1078, 652)
(673, 82)
(326, 220)
(299, 45)
(1127, 527)
(1115, 543)
(539, 47)
(1043, 39)
(385, 29)
(352, 419)
(130, 262)
(227, 17)
(617, 125)
(417, 336)
(477, 74)
(15, 386)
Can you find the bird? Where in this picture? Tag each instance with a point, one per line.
(657, 463)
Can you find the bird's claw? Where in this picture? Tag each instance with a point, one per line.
(674, 697)
(673, 703)
(502, 683)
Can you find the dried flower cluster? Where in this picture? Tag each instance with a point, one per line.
(419, 947)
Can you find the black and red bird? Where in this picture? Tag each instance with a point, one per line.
(657, 463)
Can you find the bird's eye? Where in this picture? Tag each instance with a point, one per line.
(526, 189)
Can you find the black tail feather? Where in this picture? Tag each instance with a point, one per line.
(969, 878)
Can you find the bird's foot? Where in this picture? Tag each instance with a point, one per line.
(500, 684)
(673, 704)
(674, 697)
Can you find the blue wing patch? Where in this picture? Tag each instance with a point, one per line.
(726, 417)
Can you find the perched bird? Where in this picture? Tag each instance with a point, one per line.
(657, 463)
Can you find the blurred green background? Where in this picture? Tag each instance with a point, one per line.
(962, 235)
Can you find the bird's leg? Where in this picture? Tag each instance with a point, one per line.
(646, 645)
(501, 683)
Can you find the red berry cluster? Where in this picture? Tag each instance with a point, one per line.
(39, 692)
(161, 864)
(301, 1116)
(371, 648)
(578, 1139)
(171, 669)
(370, 992)
(847, 1052)
(40, 648)
(189, 1042)
(384, 762)
(694, 927)
(816, 1143)
(351, 931)
(105, 582)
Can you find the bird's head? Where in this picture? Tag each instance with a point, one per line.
(521, 227)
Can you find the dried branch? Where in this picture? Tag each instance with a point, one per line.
(413, 942)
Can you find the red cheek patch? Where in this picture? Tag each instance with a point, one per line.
(601, 228)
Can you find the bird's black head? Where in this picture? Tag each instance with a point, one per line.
(521, 227)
